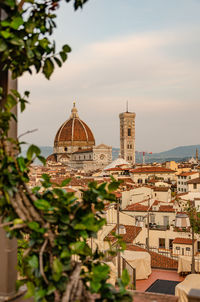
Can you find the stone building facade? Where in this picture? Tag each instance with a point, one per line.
(127, 136)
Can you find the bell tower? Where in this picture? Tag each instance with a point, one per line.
(127, 135)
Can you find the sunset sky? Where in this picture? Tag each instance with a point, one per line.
(144, 51)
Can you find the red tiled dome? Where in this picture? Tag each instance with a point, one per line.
(74, 130)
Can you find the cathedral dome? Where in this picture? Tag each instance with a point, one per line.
(74, 133)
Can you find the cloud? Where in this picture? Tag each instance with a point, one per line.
(156, 71)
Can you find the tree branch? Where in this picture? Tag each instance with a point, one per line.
(27, 132)
(41, 261)
(72, 281)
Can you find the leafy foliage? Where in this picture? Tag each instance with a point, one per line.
(53, 228)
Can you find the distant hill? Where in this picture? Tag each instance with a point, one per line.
(182, 151)
(178, 154)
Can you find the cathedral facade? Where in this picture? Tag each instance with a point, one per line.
(74, 145)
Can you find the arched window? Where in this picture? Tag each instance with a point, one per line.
(129, 131)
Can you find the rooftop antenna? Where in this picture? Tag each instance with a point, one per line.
(126, 106)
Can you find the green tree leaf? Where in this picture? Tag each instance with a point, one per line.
(63, 56)
(125, 277)
(16, 22)
(48, 68)
(67, 48)
(42, 204)
(33, 261)
(57, 266)
(65, 182)
(31, 290)
(31, 151)
(58, 62)
(3, 45)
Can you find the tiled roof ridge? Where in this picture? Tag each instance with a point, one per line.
(152, 169)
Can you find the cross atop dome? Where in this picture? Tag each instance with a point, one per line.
(74, 111)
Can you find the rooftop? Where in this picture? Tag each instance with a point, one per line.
(152, 170)
(194, 181)
(179, 240)
(131, 233)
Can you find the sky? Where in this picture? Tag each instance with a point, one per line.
(146, 52)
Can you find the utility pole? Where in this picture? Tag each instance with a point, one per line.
(118, 253)
(192, 226)
(148, 223)
(193, 259)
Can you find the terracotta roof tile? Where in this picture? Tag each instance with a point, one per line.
(186, 173)
(157, 260)
(179, 240)
(166, 208)
(152, 170)
(74, 129)
(161, 189)
(131, 233)
(194, 181)
(52, 158)
(114, 169)
(83, 151)
(137, 207)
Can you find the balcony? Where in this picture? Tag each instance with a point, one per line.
(181, 229)
(154, 226)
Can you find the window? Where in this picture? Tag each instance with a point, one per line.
(162, 243)
(179, 182)
(171, 244)
(194, 186)
(152, 218)
(139, 218)
(130, 146)
(127, 146)
(65, 148)
(129, 131)
(188, 249)
(166, 220)
(178, 248)
(130, 157)
(127, 157)
(198, 246)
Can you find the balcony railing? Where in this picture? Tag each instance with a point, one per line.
(154, 226)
